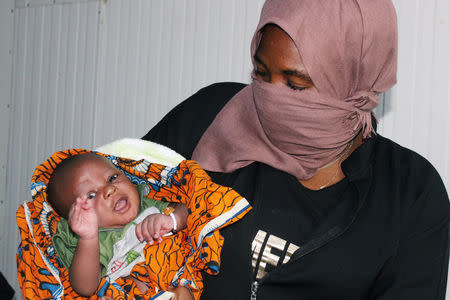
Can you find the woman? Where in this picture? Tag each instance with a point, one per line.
(339, 212)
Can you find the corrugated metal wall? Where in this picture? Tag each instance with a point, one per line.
(416, 114)
(88, 72)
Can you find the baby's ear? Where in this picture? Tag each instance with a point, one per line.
(47, 198)
(59, 207)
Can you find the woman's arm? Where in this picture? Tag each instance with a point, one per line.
(418, 269)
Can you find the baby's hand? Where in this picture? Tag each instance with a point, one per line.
(83, 219)
(153, 228)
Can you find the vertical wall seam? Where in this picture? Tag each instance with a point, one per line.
(101, 8)
(10, 122)
(432, 77)
(414, 59)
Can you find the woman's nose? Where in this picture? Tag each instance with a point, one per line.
(109, 190)
(276, 78)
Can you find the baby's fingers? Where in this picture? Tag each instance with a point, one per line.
(86, 204)
(75, 216)
(74, 211)
(157, 229)
(147, 230)
(138, 231)
(142, 231)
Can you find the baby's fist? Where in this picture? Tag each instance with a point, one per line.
(153, 228)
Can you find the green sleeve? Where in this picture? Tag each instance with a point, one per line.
(65, 242)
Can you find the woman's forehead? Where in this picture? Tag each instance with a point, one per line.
(276, 41)
(332, 37)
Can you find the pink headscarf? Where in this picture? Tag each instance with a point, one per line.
(349, 48)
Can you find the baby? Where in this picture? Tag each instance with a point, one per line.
(91, 193)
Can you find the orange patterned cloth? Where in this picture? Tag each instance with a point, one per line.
(178, 260)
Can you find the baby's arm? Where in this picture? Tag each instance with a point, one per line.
(85, 272)
(155, 226)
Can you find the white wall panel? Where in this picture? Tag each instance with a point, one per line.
(6, 63)
(153, 54)
(416, 115)
(88, 72)
(55, 50)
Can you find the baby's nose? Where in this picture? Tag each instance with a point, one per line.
(110, 190)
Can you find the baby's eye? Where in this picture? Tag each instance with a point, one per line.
(112, 178)
(91, 195)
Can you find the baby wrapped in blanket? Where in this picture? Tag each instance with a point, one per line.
(177, 260)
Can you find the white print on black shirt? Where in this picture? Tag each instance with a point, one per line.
(275, 251)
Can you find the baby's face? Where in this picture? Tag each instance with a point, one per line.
(116, 199)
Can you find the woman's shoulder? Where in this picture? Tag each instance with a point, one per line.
(208, 100)
(412, 180)
(401, 158)
(221, 91)
(183, 126)
(405, 165)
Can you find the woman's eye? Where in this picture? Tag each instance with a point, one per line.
(260, 73)
(91, 195)
(112, 178)
(295, 88)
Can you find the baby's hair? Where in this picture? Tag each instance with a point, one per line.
(59, 177)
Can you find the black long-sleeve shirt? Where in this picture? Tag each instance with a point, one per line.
(381, 233)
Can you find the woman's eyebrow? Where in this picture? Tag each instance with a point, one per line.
(299, 74)
(258, 60)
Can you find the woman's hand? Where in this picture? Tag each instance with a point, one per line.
(181, 293)
(153, 228)
(83, 219)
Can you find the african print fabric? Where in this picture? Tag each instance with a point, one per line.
(177, 260)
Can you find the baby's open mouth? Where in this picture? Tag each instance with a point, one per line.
(121, 205)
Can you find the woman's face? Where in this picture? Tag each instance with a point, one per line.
(278, 61)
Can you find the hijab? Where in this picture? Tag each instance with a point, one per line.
(349, 48)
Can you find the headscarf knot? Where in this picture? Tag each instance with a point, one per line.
(363, 102)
